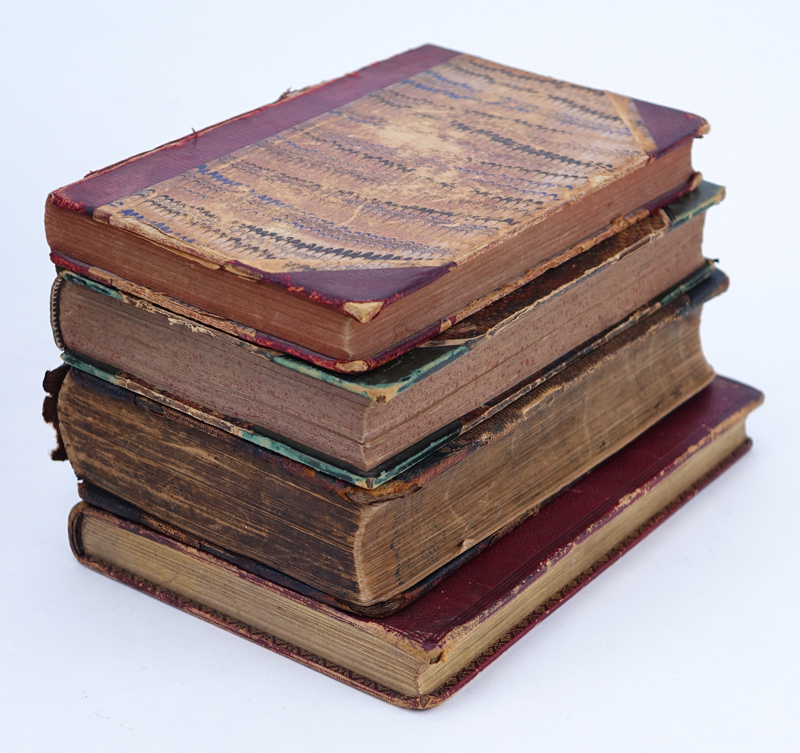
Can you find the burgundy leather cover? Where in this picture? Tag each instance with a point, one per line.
(669, 128)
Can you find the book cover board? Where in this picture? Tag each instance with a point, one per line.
(366, 427)
(639, 487)
(361, 192)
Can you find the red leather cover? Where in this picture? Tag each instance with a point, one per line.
(669, 128)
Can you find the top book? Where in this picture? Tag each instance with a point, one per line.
(350, 221)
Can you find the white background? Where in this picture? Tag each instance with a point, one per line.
(689, 643)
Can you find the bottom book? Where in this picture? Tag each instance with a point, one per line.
(421, 655)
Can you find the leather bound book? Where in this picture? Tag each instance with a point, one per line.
(424, 653)
(369, 426)
(353, 220)
(365, 546)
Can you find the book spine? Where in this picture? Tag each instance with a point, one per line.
(52, 386)
(133, 174)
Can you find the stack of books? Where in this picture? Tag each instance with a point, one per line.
(380, 374)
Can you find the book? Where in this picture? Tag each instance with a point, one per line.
(365, 546)
(423, 654)
(370, 426)
(354, 220)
